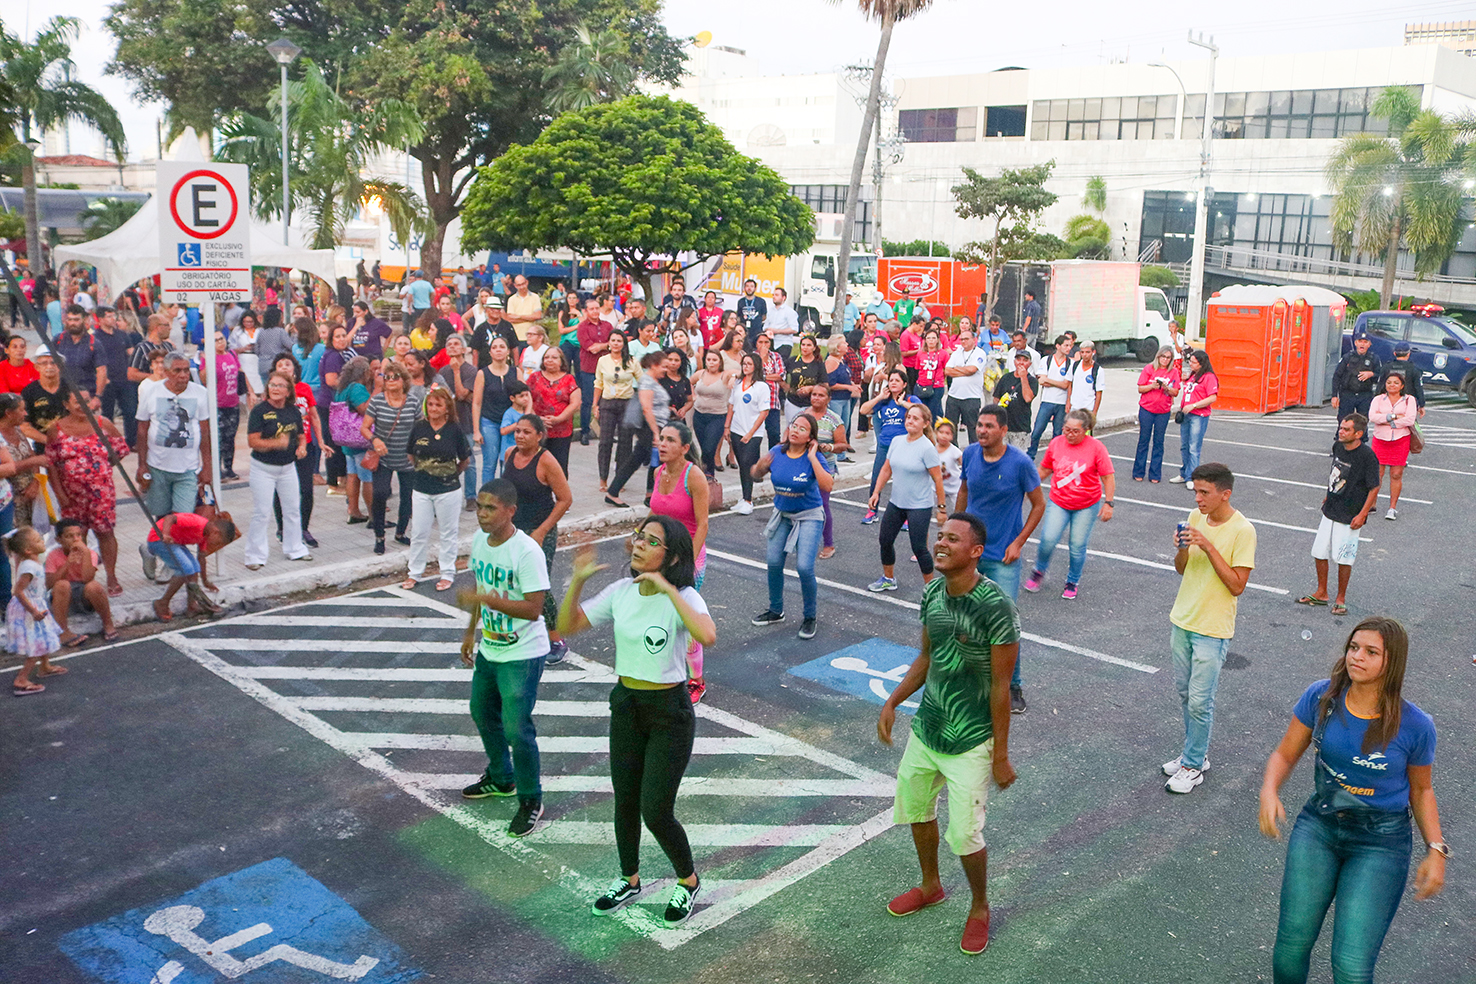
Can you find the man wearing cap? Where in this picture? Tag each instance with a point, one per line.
(45, 399)
(1355, 378)
(495, 326)
(1414, 377)
(904, 306)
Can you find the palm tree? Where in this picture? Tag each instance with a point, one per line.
(105, 215)
(333, 144)
(889, 12)
(38, 78)
(596, 69)
(1403, 188)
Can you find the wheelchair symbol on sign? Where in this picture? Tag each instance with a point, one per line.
(189, 254)
(178, 922)
(895, 675)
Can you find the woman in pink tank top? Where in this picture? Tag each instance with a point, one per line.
(681, 492)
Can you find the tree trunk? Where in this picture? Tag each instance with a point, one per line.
(1391, 256)
(858, 166)
(33, 224)
(440, 202)
(992, 277)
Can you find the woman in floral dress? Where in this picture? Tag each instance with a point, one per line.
(83, 478)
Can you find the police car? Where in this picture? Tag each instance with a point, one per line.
(1444, 349)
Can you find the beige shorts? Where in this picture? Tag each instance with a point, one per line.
(1337, 542)
(921, 775)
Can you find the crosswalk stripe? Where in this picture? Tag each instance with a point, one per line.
(397, 646)
(444, 705)
(1286, 481)
(698, 834)
(1184, 511)
(357, 601)
(552, 744)
(691, 785)
(400, 674)
(354, 622)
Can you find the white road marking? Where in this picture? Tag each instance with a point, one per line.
(1439, 435)
(359, 622)
(548, 744)
(699, 834)
(400, 674)
(1286, 481)
(443, 705)
(691, 785)
(1315, 454)
(1183, 511)
(914, 606)
(394, 646)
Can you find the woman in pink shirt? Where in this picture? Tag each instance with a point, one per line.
(930, 381)
(1078, 471)
(1158, 384)
(1201, 390)
(1391, 417)
(681, 493)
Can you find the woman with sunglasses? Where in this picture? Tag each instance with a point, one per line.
(652, 722)
(1371, 768)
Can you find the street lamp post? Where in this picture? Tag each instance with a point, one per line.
(285, 52)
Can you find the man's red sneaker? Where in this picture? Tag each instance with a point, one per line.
(912, 901)
(975, 936)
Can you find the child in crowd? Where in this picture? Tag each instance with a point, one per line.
(71, 578)
(180, 531)
(952, 459)
(522, 403)
(30, 630)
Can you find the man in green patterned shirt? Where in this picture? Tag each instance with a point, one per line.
(960, 736)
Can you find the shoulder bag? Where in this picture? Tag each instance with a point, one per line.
(370, 459)
(344, 426)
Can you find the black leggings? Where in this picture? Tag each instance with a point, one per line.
(307, 467)
(640, 454)
(709, 428)
(382, 476)
(230, 423)
(558, 447)
(651, 734)
(917, 531)
(747, 453)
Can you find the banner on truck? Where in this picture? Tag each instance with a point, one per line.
(727, 279)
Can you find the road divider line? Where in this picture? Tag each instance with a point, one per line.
(691, 785)
(699, 834)
(914, 606)
(400, 674)
(551, 744)
(1315, 454)
(1287, 481)
(1182, 511)
(1435, 434)
(359, 622)
(442, 705)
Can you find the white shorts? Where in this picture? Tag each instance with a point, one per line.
(921, 775)
(1337, 542)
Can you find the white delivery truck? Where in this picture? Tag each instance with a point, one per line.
(1100, 300)
(809, 278)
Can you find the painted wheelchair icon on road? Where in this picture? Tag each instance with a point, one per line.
(268, 924)
(870, 670)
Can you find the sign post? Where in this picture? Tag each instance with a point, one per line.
(205, 249)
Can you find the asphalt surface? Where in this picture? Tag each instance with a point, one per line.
(158, 766)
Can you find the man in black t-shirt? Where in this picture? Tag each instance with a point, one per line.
(1352, 490)
(46, 402)
(1015, 393)
(495, 325)
(752, 310)
(1355, 377)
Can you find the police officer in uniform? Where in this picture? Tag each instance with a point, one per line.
(1356, 378)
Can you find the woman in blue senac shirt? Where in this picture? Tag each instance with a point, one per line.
(798, 522)
(889, 416)
(1351, 842)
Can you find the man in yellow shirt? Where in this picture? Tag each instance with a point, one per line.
(523, 307)
(1216, 554)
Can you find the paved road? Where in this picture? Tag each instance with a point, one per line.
(332, 734)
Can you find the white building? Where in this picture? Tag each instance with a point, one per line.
(1277, 119)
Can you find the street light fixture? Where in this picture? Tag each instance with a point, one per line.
(285, 52)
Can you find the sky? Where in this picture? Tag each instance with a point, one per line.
(951, 37)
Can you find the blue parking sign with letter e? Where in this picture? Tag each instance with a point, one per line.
(272, 923)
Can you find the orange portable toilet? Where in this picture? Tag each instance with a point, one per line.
(1246, 339)
(1298, 344)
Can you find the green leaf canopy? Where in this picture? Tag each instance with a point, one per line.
(639, 178)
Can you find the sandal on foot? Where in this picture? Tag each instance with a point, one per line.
(53, 670)
(445, 584)
(76, 640)
(26, 691)
(111, 636)
(114, 590)
(1339, 609)
(827, 552)
(162, 614)
(409, 583)
(1314, 602)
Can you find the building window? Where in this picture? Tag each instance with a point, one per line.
(1004, 121)
(1108, 118)
(832, 198)
(1288, 114)
(939, 125)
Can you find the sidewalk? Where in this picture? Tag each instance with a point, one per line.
(345, 553)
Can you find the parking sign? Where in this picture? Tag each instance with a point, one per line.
(204, 232)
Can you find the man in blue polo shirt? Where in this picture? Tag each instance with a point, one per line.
(997, 479)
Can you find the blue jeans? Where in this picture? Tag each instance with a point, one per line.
(178, 558)
(502, 699)
(1191, 441)
(806, 549)
(932, 397)
(1007, 576)
(7, 523)
(491, 448)
(586, 400)
(1197, 662)
(1052, 413)
(1054, 524)
(1361, 859)
(1151, 428)
(879, 460)
(171, 492)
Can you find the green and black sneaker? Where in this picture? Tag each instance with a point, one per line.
(486, 786)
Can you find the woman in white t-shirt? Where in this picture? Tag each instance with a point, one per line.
(652, 723)
(748, 408)
(531, 359)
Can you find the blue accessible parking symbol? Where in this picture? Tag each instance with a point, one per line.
(870, 670)
(189, 254)
(272, 923)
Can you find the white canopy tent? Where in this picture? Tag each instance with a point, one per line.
(131, 252)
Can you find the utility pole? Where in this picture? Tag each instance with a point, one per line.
(1193, 312)
(877, 174)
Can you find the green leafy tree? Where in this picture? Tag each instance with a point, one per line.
(1087, 238)
(42, 95)
(1158, 276)
(1403, 189)
(332, 145)
(888, 12)
(645, 179)
(917, 247)
(1095, 196)
(1012, 201)
(105, 215)
(472, 69)
(595, 70)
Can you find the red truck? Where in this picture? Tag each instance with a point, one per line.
(948, 287)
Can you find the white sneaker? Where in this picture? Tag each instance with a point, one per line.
(743, 508)
(1177, 480)
(1392, 514)
(1170, 768)
(1184, 781)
